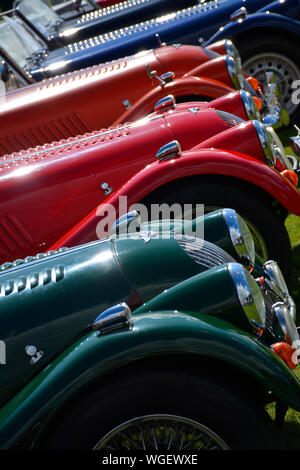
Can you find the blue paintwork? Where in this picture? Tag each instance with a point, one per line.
(255, 21)
(185, 26)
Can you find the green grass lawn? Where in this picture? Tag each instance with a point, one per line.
(291, 431)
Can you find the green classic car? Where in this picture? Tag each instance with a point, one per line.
(142, 341)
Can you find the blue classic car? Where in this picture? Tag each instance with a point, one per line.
(265, 34)
(56, 31)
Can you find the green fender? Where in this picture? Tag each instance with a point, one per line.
(157, 333)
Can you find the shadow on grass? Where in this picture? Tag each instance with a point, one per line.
(294, 284)
(291, 435)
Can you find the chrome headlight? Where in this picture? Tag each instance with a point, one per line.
(232, 51)
(250, 106)
(286, 324)
(241, 237)
(278, 149)
(235, 72)
(265, 142)
(273, 272)
(249, 294)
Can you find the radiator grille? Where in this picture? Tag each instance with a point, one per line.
(204, 253)
(230, 119)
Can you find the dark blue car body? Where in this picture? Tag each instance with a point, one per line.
(186, 26)
(59, 32)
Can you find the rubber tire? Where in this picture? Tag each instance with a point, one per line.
(264, 43)
(227, 192)
(163, 389)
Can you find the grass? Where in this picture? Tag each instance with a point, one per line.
(291, 430)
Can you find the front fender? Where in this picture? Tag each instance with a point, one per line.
(152, 334)
(191, 163)
(281, 24)
(185, 86)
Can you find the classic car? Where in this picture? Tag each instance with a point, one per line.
(188, 26)
(127, 90)
(56, 32)
(183, 26)
(202, 323)
(47, 190)
(266, 41)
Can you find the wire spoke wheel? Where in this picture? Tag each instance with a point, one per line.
(285, 72)
(161, 433)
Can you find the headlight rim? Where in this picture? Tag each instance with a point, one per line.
(240, 276)
(234, 72)
(265, 143)
(251, 109)
(234, 221)
(286, 322)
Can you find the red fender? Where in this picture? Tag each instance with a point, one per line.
(191, 163)
(214, 68)
(179, 87)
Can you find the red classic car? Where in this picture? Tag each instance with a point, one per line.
(45, 192)
(113, 93)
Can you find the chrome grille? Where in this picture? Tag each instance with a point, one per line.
(230, 119)
(204, 253)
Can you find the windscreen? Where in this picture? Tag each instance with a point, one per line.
(38, 13)
(17, 42)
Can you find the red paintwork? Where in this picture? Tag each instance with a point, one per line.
(191, 163)
(231, 140)
(46, 191)
(92, 98)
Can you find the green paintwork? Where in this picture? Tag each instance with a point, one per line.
(195, 294)
(50, 299)
(212, 227)
(164, 332)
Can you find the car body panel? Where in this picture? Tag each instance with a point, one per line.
(152, 334)
(119, 16)
(258, 21)
(185, 27)
(193, 163)
(47, 190)
(96, 98)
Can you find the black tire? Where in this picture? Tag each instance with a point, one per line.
(272, 44)
(163, 390)
(251, 203)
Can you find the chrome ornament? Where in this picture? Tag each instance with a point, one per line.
(124, 223)
(169, 151)
(34, 354)
(265, 142)
(241, 238)
(165, 104)
(113, 318)
(239, 14)
(249, 294)
(287, 325)
(250, 106)
(106, 188)
(234, 72)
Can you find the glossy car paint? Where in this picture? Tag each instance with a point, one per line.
(99, 97)
(46, 191)
(204, 332)
(104, 19)
(185, 27)
(273, 19)
(191, 164)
